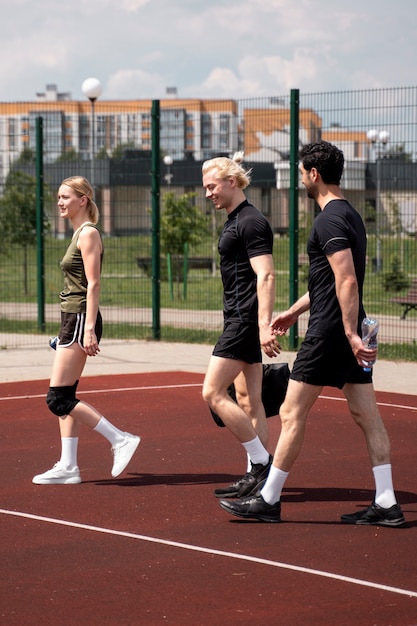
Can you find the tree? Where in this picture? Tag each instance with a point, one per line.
(397, 153)
(27, 156)
(102, 154)
(182, 225)
(118, 152)
(182, 222)
(18, 214)
(68, 155)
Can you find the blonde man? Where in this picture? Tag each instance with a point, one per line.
(247, 269)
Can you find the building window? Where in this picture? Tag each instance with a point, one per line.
(266, 202)
(205, 131)
(12, 134)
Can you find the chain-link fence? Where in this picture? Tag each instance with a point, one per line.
(111, 143)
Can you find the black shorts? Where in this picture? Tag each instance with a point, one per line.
(72, 329)
(239, 341)
(328, 362)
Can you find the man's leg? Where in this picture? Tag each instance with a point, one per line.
(384, 510)
(220, 374)
(248, 387)
(364, 410)
(298, 401)
(265, 505)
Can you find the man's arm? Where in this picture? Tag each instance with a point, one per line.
(283, 321)
(263, 266)
(348, 296)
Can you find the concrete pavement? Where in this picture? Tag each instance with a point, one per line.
(126, 357)
(392, 328)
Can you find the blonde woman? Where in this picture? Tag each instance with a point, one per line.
(79, 337)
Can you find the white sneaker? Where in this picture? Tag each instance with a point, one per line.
(58, 475)
(123, 452)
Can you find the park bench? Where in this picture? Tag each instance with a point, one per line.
(409, 300)
(194, 263)
(303, 259)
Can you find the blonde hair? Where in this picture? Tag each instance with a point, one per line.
(229, 167)
(81, 187)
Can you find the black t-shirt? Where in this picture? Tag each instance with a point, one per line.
(337, 227)
(246, 234)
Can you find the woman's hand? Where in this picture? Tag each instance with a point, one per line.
(90, 343)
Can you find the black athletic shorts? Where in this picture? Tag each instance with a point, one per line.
(72, 329)
(239, 341)
(328, 362)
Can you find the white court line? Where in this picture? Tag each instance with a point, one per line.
(222, 553)
(115, 390)
(183, 386)
(389, 404)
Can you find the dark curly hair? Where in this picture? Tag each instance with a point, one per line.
(326, 158)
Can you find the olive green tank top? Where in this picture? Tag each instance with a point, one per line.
(74, 295)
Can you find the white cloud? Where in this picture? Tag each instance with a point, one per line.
(134, 84)
(238, 49)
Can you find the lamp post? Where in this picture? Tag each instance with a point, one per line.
(168, 161)
(378, 138)
(92, 89)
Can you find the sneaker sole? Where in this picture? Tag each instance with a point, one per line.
(58, 481)
(260, 517)
(390, 523)
(122, 469)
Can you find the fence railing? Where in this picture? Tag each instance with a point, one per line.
(380, 180)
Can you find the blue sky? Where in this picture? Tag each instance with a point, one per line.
(216, 49)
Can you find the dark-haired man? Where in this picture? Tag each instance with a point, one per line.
(332, 352)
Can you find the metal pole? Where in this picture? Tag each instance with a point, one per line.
(93, 142)
(40, 255)
(378, 213)
(293, 208)
(156, 211)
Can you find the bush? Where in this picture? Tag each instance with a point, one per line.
(395, 280)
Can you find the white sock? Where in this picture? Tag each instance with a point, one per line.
(384, 491)
(248, 463)
(256, 451)
(110, 432)
(69, 450)
(271, 491)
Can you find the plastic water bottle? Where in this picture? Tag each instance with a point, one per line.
(370, 327)
(53, 342)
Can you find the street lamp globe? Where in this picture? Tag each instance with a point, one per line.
(168, 160)
(92, 88)
(383, 137)
(378, 137)
(372, 135)
(379, 140)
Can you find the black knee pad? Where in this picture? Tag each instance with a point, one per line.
(62, 400)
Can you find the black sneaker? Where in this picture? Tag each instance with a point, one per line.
(376, 515)
(248, 484)
(253, 508)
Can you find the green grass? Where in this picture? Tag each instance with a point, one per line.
(125, 285)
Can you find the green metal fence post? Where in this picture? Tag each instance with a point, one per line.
(40, 237)
(185, 271)
(170, 282)
(156, 211)
(293, 208)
